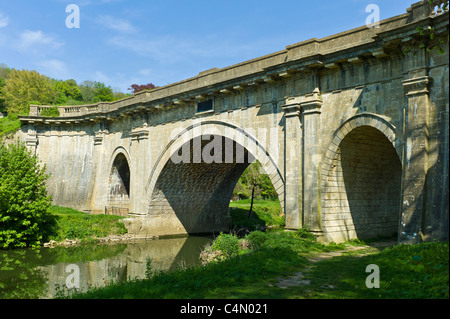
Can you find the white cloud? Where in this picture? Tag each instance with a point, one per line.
(145, 72)
(116, 24)
(4, 20)
(101, 77)
(34, 40)
(165, 49)
(170, 49)
(54, 68)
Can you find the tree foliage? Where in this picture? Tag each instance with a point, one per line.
(23, 87)
(20, 88)
(4, 73)
(428, 38)
(24, 202)
(138, 88)
(102, 92)
(50, 111)
(93, 92)
(68, 89)
(252, 178)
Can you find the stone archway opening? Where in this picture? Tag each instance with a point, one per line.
(255, 204)
(119, 186)
(193, 190)
(363, 196)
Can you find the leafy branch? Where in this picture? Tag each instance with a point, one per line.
(429, 38)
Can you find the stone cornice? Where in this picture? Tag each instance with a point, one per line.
(352, 46)
(416, 86)
(312, 103)
(139, 135)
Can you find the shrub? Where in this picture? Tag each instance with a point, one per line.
(24, 203)
(228, 244)
(50, 111)
(257, 238)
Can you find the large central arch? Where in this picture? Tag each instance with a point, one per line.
(189, 193)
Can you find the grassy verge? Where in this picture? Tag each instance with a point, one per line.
(252, 267)
(239, 276)
(414, 272)
(73, 224)
(406, 272)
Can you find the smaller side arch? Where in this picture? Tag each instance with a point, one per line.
(118, 150)
(361, 179)
(119, 180)
(379, 122)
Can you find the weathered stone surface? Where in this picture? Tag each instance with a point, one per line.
(352, 132)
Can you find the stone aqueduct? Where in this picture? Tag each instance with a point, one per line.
(353, 133)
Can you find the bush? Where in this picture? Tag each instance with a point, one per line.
(50, 111)
(256, 238)
(24, 203)
(228, 244)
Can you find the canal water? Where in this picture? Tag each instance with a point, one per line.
(43, 272)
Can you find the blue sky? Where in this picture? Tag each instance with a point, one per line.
(123, 42)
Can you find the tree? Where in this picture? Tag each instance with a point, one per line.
(253, 178)
(137, 88)
(50, 111)
(93, 92)
(25, 87)
(4, 70)
(24, 203)
(87, 89)
(4, 73)
(103, 92)
(254, 184)
(70, 89)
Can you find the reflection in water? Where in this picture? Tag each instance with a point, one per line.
(39, 273)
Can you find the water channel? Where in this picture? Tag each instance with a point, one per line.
(40, 273)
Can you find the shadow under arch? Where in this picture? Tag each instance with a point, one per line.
(194, 194)
(119, 179)
(361, 178)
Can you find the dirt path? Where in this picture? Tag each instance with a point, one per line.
(298, 279)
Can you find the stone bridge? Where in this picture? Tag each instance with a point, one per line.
(352, 131)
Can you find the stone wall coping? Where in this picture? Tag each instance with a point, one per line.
(302, 56)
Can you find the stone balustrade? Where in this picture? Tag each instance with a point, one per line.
(438, 7)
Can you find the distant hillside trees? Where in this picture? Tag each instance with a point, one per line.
(4, 73)
(23, 88)
(68, 90)
(20, 88)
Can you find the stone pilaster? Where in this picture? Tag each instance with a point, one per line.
(31, 140)
(293, 164)
(310, 118)
(99, 185)
(139, 170)
(415, 158)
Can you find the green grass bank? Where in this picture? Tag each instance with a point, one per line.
(72, 224)
(406, 271)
